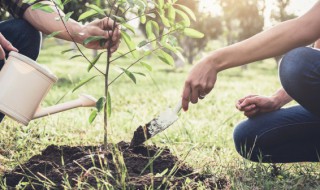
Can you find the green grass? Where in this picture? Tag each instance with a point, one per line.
(205, 130)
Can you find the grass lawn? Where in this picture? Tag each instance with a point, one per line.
(202, 136)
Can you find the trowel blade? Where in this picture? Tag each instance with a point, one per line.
(155, 126)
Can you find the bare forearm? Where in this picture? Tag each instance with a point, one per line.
(281, 98)
(51, 22)
(276, 41)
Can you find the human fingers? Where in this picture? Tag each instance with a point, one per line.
(186, 96)
(2, 53)
(194, 94)
(252, 113)
(115, 47)
(242, 99)
(108, 23)
(6, 44)
(248, 101)
(249, 108)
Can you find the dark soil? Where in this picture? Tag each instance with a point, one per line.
(140, 135)
(89, 166)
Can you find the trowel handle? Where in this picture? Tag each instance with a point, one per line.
(178, 106)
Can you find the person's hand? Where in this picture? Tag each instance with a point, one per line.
(5, 45)
(199, 83)
(103, 27)
(253, 105)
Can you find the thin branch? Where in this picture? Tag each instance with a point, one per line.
(141, 46)
(65, 26)
(138, 16)
(132, 65)
(105, 116)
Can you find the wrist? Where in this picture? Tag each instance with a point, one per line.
(216, 60)
(276, 101)
(77, 32)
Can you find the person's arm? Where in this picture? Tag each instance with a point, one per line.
(317, 44)
(253, 105)
(276, 41)
(50, 22)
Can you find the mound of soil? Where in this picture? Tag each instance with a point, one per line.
(138, 168)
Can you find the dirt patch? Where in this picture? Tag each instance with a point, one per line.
(135, 168)
(140, 135)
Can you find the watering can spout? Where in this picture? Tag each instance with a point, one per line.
(84, 100)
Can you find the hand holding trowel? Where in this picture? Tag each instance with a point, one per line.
(155, 126)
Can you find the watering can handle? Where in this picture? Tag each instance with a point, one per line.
(83, 101)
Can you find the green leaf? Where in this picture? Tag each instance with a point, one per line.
(141, 6)
(129, 43)
(160, 4)
(87, 14)
(118, 19)
(129, 27)
(179, 54)
(165, 21)
(129, 74)
(93, 116)
(171, 14)
(143, 19)
(59, 4)
(145, 65)
(53, 34)
(193, 33)
(162, 173)
(43, 7)
(67, 16)
(152, 30)
(95, 60)
(66, 2)
(66, 51)
(139, 73)
(97, 9)
(188, 11)
(109, 104)
(142, 43)
(165, 57)
(185, 19)
(100, 103)
(83, 83)
(92, 39)
(168, 46)
(75, 56)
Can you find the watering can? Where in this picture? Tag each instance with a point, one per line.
(24, 84)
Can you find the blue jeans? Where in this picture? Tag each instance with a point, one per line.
(289, 134)
(23, 37)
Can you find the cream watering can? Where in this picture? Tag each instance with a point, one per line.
(24, 84)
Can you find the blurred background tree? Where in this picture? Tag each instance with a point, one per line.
(242, 19)
(206, 23)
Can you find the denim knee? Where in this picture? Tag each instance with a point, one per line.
(299, 73)
(244, 140)
(292, 68)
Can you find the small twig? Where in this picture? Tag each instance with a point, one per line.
(142, 46)
(139, 16)
(105, 117)
(65, 26)
(133, 64)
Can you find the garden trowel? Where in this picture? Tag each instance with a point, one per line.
(155, 126)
